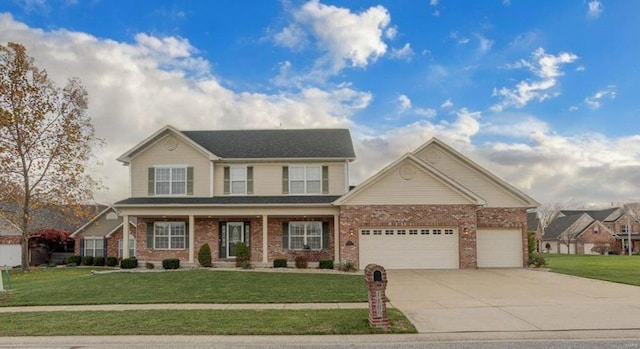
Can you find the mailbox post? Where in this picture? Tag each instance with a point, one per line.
(376, 278)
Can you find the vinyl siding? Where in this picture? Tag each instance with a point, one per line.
(101, 226)
(477, 182)
(158, 155)
(267, 177)
(422, 189)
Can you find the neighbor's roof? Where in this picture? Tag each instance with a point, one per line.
(559, 226)
(599, 215)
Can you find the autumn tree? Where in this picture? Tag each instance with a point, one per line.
(46, 143)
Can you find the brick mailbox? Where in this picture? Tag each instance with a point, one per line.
(376, 278)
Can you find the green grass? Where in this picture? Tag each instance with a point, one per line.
(70, 286)
(622, 269)
(197, 322)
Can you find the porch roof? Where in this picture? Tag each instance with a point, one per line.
(230, 200)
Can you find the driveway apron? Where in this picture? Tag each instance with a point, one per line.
(511, 300)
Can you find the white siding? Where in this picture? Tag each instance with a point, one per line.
(158, 155)
(475, 181)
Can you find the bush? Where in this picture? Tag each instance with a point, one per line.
(75, 259)
(243, 255)
(129, 263)
(99, 261)
(537, 260)
(280, 263)
(348, 266)
(149, 265)
(87, 260)
(111, 261)
(326, 264)
(171, 263)
(204, 256)
(301, 262)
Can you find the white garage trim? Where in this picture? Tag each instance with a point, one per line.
(499, 248)
(410, 247)
(10, 255)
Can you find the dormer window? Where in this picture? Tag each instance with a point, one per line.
(171, 180)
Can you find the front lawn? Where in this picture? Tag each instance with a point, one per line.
(622, 269)
(197, 322)
(69, 286)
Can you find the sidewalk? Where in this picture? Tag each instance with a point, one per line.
(186, 306)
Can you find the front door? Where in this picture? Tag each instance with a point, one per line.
(235, 235)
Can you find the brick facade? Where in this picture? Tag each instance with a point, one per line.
(10, 239)
(593, 235)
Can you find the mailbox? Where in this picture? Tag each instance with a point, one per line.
(376, 278)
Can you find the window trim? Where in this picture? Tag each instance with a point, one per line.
(93, 249)
(305, 235)
(305, 180)
(231, 180)
(170, 235)
(132, 246)
(171, 181)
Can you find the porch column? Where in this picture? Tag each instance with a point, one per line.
(336, 238)
(125, 236)
(192, 243)
(265, 239)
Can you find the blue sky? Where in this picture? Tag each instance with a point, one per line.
(542, 93)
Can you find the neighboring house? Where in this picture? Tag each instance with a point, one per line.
(621, 223)
(102, 235)
(10, 249)
(577, 233)
(534, 226)
(285, 193)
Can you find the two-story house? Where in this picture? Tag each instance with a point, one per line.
(286, 193)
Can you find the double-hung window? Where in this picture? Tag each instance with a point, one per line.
(132, 247)
(238, 180)
(305, 179)
(94, 246)
(171, 181)
(169, 235)
(305, 235)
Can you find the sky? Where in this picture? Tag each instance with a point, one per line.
(544, 93)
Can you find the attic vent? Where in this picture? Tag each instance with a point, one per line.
(433, 156)
(112, 216)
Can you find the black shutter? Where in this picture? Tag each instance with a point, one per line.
(186, 235)
(227, 180)
(152, 181)
(325, 179)
(285, 179)
(189, 180)
(105, 243)
(325, 235)
(222, 239)
(249, 179)
(247, 233)
(82, 247)
(149, 237)
(285, 235)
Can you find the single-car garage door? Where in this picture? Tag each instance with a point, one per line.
(499, 248)
(10, 255)
(414, 248)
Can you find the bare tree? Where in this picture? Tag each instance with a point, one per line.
(46, 142)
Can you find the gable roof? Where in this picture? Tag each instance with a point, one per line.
(517, 194)
(599, 215)
(559, 225)
(435, 173)
(259, 144)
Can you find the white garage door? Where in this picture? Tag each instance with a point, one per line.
(499, 248)
(588, 247)
(415, 248)
(10, 255)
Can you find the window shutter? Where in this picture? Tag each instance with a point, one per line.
(325, 179)
(189, 180)
(186, 235)
(247, 233)
(152, 181)
(285, 235)
(325, 235)
(82, 247)
(222, 240)
(227, 180)
(249, 179)
(105, 243)
(285, 179)
(150, 235)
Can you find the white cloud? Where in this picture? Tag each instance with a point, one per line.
(404, 103)
(546, 67)
(594, 9)
(402, 53)
(580, 68)
(446, 104)
(463, 40)
(426, 112)
(405, 106)
(573, 108)
(391, 32)
(434, 2)
(595, 101)
(347, 39)
(484, 44)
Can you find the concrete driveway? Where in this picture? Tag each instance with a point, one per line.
(511, 300)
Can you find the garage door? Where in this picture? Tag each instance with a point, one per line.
(415, 248)
(499, 248)
(10, 255)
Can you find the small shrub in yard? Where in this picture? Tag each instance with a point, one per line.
(204, 256)
(87, 260)
(149, 265)
(348, 266)
(75, 259)
(326, 264)
(301, 262)
(111, 261)
(171, 263)
(537, 260)
(280, 263)
(129, 263)
(99, 261)
(243, 255)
